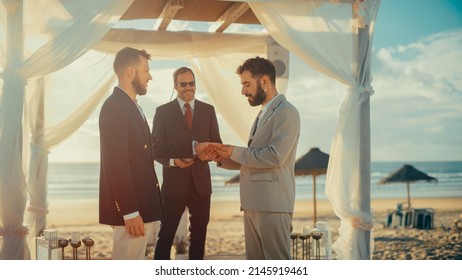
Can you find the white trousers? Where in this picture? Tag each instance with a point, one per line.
(129, 247)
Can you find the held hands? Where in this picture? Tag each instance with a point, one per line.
(204, 152)
(225, 151)
(213, 151)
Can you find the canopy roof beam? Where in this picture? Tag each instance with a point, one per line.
(229, 16)
(169, 11)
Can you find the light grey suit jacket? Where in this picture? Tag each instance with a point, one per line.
(267, 178)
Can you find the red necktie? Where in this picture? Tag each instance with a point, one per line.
(188, 115)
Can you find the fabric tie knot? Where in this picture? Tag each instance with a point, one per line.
(188, 115)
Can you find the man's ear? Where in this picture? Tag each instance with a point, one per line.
(131, 71)
(265, 82)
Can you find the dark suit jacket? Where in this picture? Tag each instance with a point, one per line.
(128, 182)
(169, 125)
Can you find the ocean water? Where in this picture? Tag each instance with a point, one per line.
(80, 181)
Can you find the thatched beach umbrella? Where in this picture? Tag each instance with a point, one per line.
(312, 163)
(233, 180)
(407, 174)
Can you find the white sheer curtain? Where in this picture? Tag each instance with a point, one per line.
(313, 30)
(325, 35)
(27, 55)
(214, 58)
(43, 139)
(218, 76)
(183, 44)
(161, 45)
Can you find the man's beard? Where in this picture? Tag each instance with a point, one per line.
(138, 87)
(259, 97)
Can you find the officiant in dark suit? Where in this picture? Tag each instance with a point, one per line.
(186, 181)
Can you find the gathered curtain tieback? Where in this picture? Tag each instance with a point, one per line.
(362, 223)
(14, 231)
(362, 89)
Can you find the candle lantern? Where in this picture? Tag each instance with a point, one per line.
(294, 237)
(47, 246)
(75, 244)
(324, 244)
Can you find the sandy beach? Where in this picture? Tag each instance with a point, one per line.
(225, 236)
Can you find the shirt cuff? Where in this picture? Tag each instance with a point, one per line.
(172, 162)
(194, 142)
(131, 215)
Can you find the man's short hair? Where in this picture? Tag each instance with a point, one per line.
(180, 71)
(128, 57)
(258, 67)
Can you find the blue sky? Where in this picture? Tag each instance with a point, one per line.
(414, 20)
(416, 111)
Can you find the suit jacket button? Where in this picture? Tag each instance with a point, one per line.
(145, 146)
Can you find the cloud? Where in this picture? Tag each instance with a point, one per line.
(417, 108)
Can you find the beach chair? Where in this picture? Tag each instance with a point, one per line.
(424, 218)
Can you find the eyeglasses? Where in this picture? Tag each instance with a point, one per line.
(183, 84)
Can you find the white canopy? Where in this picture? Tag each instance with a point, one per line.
(40, 37)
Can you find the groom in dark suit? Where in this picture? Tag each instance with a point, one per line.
(129, 197)
(186, 181)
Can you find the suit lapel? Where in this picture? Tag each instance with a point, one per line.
(197, 115)
(274, 106)
(135, 112)
(268, 114)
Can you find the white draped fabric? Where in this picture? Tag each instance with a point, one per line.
(66, 29)
(42, 140)
(214, 58)
(223, 86)
(23, 61)
(326, 36)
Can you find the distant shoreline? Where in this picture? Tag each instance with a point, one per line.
(63, 211)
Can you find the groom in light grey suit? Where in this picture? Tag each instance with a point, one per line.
(267, 179)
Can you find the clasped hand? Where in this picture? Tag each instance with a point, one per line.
(213, 151)
(207, 151)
